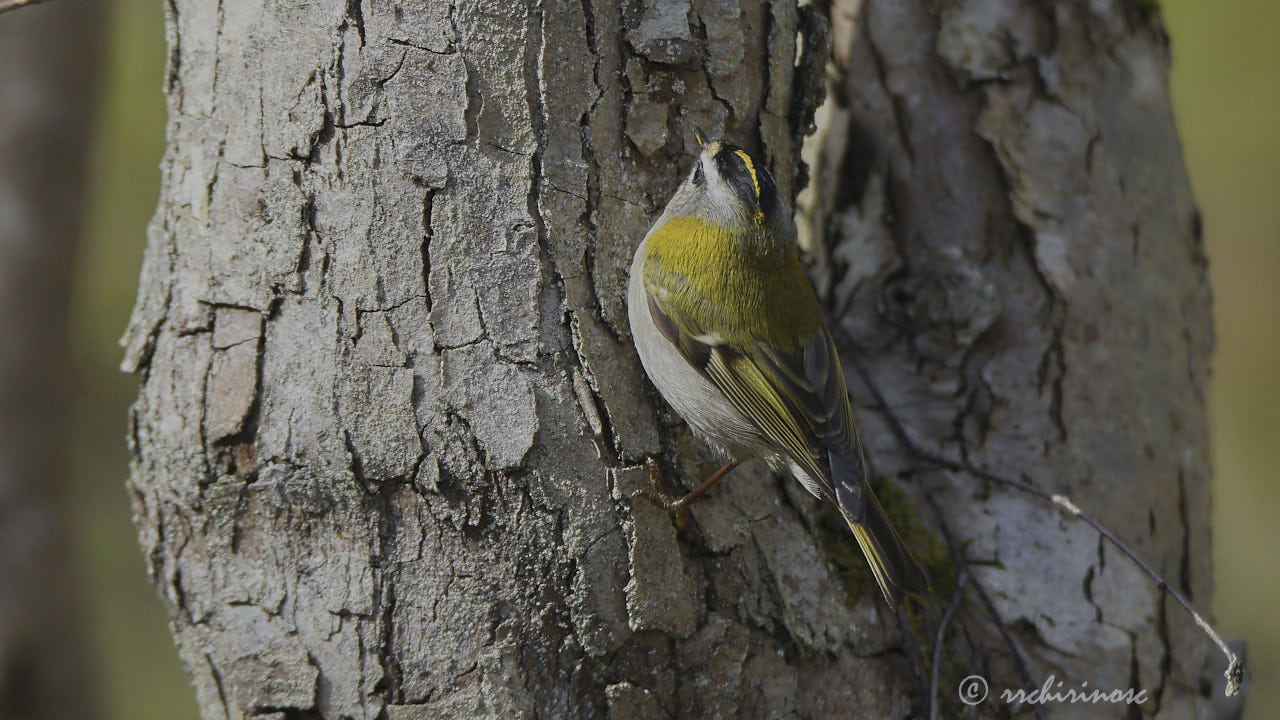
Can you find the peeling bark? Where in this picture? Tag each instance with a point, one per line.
(48, 61)
(1004, 222)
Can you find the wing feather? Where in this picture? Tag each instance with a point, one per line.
(796, 398)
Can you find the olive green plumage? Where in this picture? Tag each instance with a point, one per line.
(729, 330)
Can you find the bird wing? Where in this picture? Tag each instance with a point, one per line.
(798, 400)
(795, 396)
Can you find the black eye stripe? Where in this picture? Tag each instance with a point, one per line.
(735, 173)
(725, 164)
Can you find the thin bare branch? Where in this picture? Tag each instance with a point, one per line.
(937, 644)
(1019, 660)
(1234, 673)
(7, 5)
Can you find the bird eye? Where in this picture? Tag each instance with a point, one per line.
(697, 175)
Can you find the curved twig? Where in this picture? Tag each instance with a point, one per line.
(7, 5)
(937, 644)
(1015, 652)
(1234, 673)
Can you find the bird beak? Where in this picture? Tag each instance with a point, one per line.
(700, 136)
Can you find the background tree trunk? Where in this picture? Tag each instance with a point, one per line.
(1005, 226)
(48, 61)
(391, 429)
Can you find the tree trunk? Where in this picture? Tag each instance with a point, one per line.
(48, 57)
(1004, 221)
(389, 448)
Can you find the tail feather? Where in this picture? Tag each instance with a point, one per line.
(894, 569)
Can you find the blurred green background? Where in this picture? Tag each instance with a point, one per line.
(1228, 103)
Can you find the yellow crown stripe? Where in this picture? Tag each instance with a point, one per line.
(751, 168)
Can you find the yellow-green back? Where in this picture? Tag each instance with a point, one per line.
(733, 284)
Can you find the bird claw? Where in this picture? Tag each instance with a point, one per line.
(664, 497)
(661, 496)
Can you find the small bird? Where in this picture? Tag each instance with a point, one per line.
(729, 330)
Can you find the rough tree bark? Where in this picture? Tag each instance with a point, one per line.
(48, 60)
(391, 428)
(1006, 228)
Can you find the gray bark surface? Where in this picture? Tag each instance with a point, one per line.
(1005, 225)
(48, 61)
(391, 427)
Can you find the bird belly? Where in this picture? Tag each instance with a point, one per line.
(693, 396)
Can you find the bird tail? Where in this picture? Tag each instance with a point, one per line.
(892, 565)
(895, 570)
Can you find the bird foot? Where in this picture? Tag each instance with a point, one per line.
(658, 491)
(673, 503)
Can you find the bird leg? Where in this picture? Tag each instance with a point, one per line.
(674, 504)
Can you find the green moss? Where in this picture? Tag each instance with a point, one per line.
(923, 612)
(837, 543)
(840, 548)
